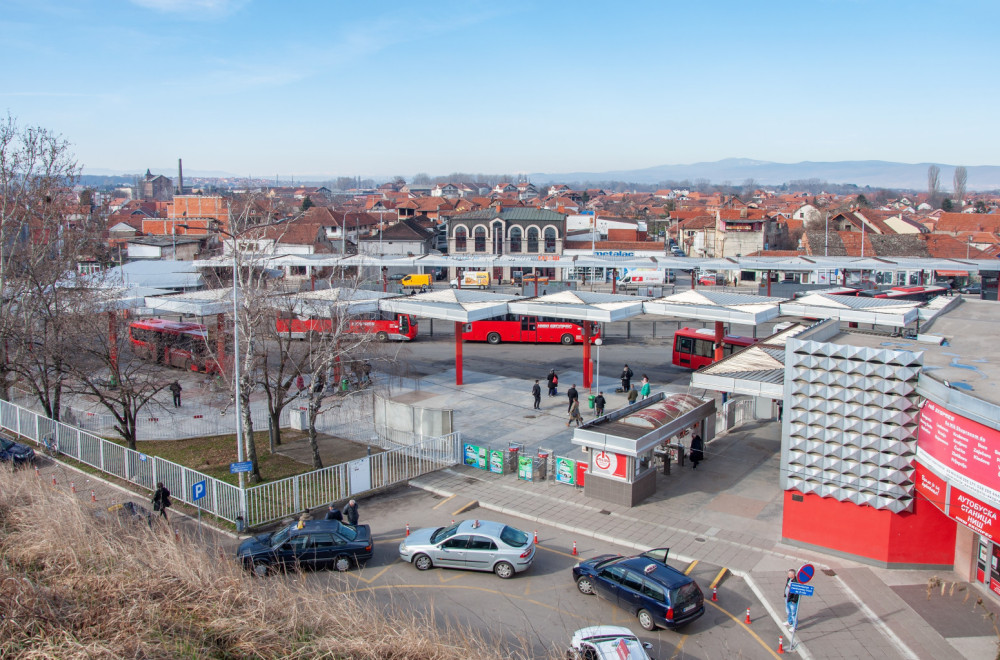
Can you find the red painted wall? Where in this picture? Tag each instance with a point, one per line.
(925, 536)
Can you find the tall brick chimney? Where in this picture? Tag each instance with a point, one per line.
(180, 177)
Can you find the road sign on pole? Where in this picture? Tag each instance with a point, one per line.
(805, 573)
(199, 490)
(242, 466)
(801, 589)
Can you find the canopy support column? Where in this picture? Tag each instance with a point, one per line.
(718, 341)
(587, 370)
(768, 284)
(458, 351)
(614, 280)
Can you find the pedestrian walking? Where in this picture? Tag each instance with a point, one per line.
(351, 511)
(574, 413)
(791, 602)
(697, 451)
(626, 378)
(572, 395)
(633, 394)
(300, 382)
(161, 499)
(333, 513)
(553, 382)
(644, 390)
(536, 393)
(599, 404)
(175, 389)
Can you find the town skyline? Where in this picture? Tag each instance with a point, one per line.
(331, 90)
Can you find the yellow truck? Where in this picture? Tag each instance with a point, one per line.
(473, 279)
(416, 280)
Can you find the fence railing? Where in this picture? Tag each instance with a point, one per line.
(257, 505)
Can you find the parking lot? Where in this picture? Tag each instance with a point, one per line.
(537, 610)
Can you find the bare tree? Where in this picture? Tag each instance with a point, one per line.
(281, 358)
(933, 184)
(961, 178)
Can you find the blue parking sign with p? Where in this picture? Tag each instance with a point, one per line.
(199, 490)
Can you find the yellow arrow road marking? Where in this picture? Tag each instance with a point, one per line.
(444, 501)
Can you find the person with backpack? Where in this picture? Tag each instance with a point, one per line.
(161, 499)
(553, 381)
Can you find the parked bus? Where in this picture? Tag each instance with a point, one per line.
(174, 343)
(402, 327)
(694, 348)
(528, 330)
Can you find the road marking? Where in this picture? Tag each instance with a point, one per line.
(745, 627)
(556, 552)
(444, 501)
(679, 647)
(527, 586)
(718, 578)
(470, 505)
(454, 577)
(379, 574)
(687, 571)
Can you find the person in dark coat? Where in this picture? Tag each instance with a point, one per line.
(334, 514)
(697, 451)
(161, 499)
(351, 511)
(536, 393)
(553, 381)
(572, 395)
(175, 389)
(626, 378)
(599, 404)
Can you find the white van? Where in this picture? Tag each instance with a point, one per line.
(636, 277)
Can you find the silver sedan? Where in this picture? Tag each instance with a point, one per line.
(475, 545)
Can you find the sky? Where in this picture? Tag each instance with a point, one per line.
(335, 88)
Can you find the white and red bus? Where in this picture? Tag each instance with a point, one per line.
(174, 343)
(694, 348)
(528, 330)
(401, 327)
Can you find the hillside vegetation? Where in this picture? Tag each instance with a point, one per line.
(76, 586)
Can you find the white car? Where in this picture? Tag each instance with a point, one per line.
(474, 545)
(606, 643)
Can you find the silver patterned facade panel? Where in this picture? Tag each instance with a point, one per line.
(849, 429)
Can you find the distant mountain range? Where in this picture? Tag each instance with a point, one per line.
(874, 173)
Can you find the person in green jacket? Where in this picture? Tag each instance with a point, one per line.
(644, 390)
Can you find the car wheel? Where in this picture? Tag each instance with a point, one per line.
(493, 338)
(342, 563)
(585, 586)
(422, 562)
(504, 570)
(261, 568)
(646, 620)
(382, 336)
(567, 339)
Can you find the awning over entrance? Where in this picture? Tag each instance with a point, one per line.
(952, 273)
(461, 305)
(878, 311)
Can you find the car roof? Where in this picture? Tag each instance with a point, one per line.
(602, 631)
(668, 576)
(484, 527)
(318, 526)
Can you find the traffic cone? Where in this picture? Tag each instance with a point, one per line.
(574, 548)
(407, 529)
(536, 536)
(715, 594)
(748, 615)
(177, 535)
(53, 480)
(72, 487)
(781, 644)
(36, 472)
(93, 496)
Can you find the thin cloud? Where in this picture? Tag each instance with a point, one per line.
(194, 9)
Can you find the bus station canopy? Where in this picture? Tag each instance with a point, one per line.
(582, 305)
(739, 308)
(461, 305)
(877, 311)
(325, 303)
(194, 303)
(757, 370)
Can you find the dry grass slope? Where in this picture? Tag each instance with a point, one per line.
(73, 586)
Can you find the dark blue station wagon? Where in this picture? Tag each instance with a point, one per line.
(658, 595)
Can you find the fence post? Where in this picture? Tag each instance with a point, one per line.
(295, 493)
(155, 480)
(100, 447)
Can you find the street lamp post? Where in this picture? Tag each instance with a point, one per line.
(597, 376)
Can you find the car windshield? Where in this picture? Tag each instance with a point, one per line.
(608, 562)
(513, 537)
(443, 533)
(280, 536)
(346, 532)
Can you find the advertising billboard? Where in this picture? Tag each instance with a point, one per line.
(609, 464)
(962, 452)
(565, 470)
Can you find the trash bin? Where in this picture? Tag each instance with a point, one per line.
(540, 469)
(344, 384)
(591, 401)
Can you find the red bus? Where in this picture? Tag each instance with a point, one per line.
(528, 330)
(694, 348)
(402, 327)
(174, 343)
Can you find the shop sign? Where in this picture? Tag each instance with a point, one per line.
(609, 464)
(524, 468)
(496, 461)
(965, 453)
(978, 516)
(929, 485)
(475, 456)
(565, 470)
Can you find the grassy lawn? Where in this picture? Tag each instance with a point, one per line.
(213, 454)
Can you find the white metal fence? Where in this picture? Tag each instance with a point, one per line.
(735, 412)
(410, 457)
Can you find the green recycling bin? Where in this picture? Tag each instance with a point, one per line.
(344, 385)
(591, 401)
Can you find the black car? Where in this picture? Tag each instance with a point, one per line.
(975, 289)
(658, 595)
(15, 453)
(317, 544)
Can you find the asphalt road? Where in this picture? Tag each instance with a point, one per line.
(537, 610)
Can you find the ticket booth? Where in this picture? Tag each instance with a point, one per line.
(620, 446)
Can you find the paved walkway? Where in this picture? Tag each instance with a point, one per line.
(727, 512)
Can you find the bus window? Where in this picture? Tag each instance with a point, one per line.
(685, 345)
